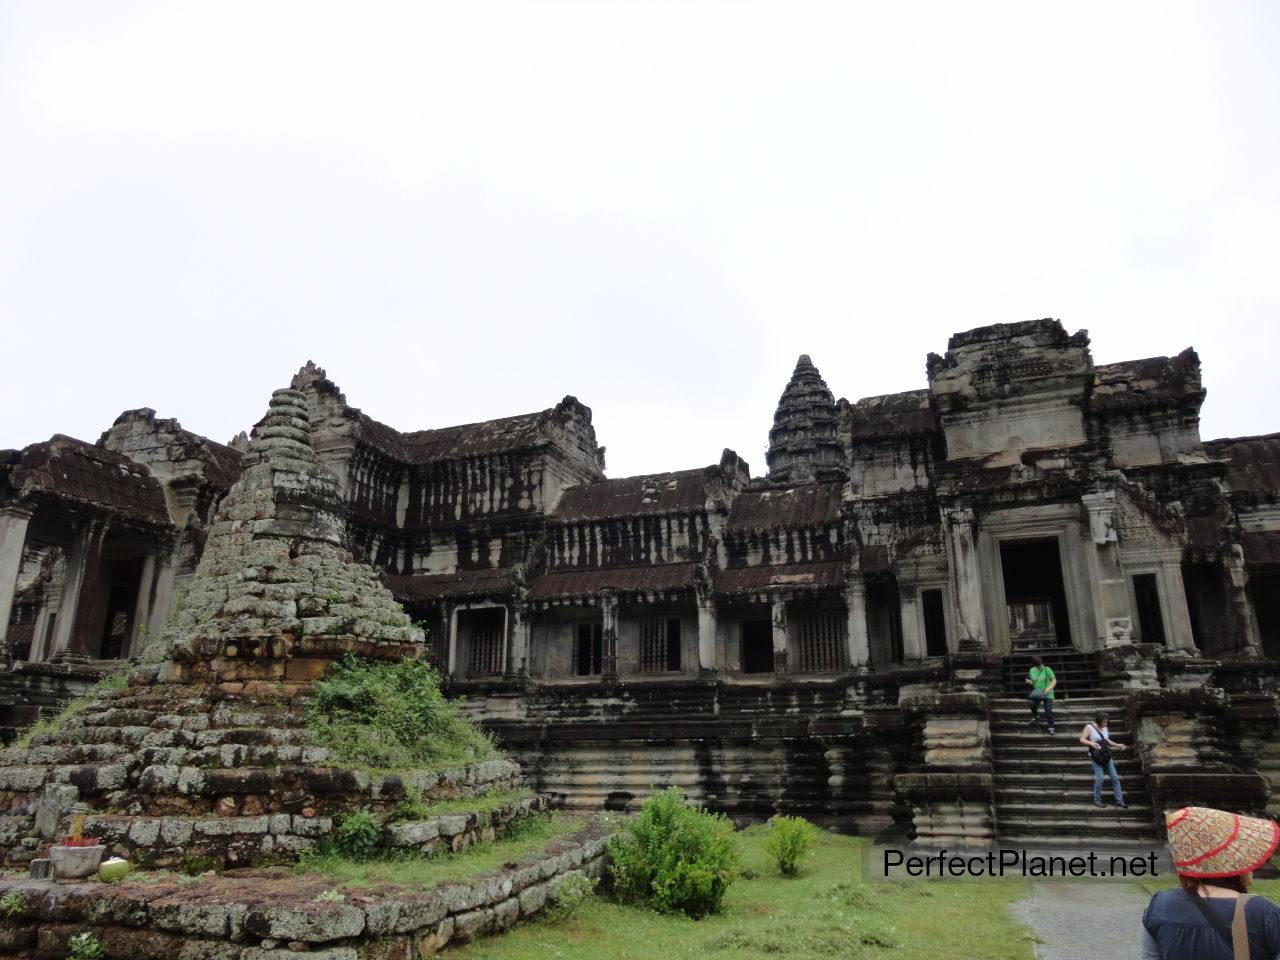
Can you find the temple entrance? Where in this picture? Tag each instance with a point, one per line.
(756, 638)
(1209, 608)
(884, 621)
(1264, 588)
(1034, 593)
(122, 601)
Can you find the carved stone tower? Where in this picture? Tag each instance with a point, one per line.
(803, 444)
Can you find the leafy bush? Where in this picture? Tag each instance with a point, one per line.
(373, 713)
(574, 890)
(12, 903)
(789, 841)
(358, 836)
(673, 857)
(85, 946)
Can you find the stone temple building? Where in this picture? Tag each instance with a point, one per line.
(842, 636)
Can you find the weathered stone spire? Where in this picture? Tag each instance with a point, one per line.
(803, 444)
(274, 585)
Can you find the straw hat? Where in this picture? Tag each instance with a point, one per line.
(1210, 843)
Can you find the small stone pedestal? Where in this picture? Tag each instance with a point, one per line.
(952, 797)
(1179, 736)
(1128, 666)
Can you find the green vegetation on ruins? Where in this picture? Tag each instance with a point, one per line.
(115, 681)
(413, 807)
(412, 870)
(826, 910)
(374, 714)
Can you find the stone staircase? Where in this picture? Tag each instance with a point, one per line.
(1044, 782)
(1077, 672)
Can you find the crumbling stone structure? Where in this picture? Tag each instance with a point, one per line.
(833, 638)
(203, 761)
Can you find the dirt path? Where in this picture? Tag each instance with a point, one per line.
(1074, 921)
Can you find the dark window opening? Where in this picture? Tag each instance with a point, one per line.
(1208, 607)
(884, 621)
(935, 623)
(660, 646)
(1265, 591)
(1146, 596)
(756, 638)
(122, 600)
(819, 638)
(1034, 593)
(485, 641)
(588, 657)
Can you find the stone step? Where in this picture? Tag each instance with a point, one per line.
(1069, 844)
(1053, 747)
(1064, 811)
(280, 913)
(1110, 826)
(455, 830)
(1074, 798)
(1052, 773)
(1021, 729)
(1067, 780)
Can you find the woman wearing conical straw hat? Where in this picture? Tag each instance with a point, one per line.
(1211, 915)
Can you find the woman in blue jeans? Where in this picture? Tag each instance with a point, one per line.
(1097, 738)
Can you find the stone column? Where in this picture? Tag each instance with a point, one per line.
(1248, 644)
(517, 641)
(1111, 590)
(142, 608)
(162, 601)
(780, 636)
(609, 635)
(912, 636)
(962, 554)
(857, 636)
(1177, 627)
(71, 640)
(450, 621)
(706, 635)
(13, 540)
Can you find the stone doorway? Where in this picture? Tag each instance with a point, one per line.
(1035, 593)
(1265, 591)
(756, 637)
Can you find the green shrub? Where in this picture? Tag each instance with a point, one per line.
(574, 890)
(358, 836)
(85, 946)
(789, 841)
(673, 857)
(12, 903)
(377, 714)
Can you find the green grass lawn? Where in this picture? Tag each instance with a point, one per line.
(826, 911)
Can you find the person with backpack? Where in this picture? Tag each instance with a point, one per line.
(1211, 915)
(1042, 681)
(1097, 737)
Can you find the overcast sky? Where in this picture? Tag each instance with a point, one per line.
(469, 210)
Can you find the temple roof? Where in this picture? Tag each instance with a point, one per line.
(667, 576)
(463, 583)
(79, 472)
(1253, 464)
(891, 414)
(683, 491)
(816, 575)
(808, 503)
(1136, 383)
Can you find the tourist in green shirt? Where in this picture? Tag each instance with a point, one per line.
(1042, 682)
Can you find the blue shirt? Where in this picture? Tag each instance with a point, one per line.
(1176, 930)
